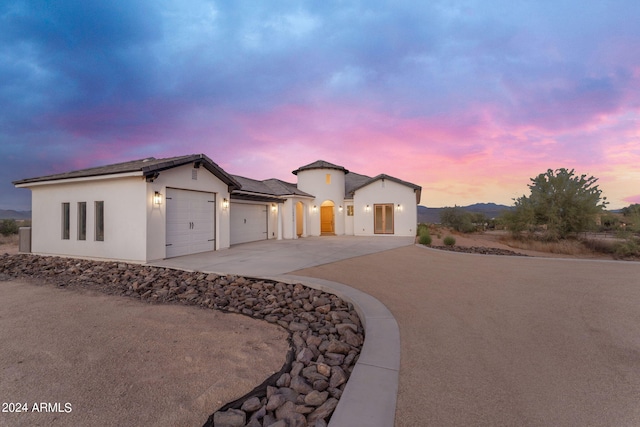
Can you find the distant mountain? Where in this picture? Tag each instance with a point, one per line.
(490, 210)
(10, 214)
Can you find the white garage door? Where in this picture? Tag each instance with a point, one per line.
(248, 222)
(190, 222)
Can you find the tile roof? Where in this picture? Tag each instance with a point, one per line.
(352, 181)
(273, 187)
(149, 168)
(319, 164)
(283, 188)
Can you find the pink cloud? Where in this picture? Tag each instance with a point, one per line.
(632, 199)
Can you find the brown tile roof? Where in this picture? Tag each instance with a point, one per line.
(273, 187)
(319, 164)
(149, 167)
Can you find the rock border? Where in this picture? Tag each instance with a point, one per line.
(326, 333)
(482, 250)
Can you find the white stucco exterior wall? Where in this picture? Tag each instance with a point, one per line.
(182, 178)
(313, 182)
(348, 220)
(289, 218)
(385, 191)
(125, 229)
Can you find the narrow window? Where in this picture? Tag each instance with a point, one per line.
(65, 220)
(100, 221)
(327, 178)
(82, 220)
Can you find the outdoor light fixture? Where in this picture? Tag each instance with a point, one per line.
(399, 207)
(157, 198)
(225, 203)
(315, 208)
(273, 207)
(340, 208)
(367, 208)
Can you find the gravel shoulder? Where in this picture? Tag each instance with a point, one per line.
(118, 362)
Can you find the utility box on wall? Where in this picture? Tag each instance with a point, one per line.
(24, 239)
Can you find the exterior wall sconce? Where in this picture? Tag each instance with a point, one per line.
(340, 208)
(157, 198)
(225, 204)
(315, 208)
(399, 207)
(367, 208)
(273, 207)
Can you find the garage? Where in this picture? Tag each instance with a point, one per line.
(248, 222)
(190, 222)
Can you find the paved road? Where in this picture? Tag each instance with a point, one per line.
(507, 341)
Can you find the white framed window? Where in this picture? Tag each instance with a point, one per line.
(66, 220)
(82, 220)
(99, 222)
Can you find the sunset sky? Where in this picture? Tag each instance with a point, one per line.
(468, 99)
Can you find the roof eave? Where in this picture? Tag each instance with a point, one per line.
(34, 182)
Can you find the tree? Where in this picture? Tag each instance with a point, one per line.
(631, 210)
(632, 217)
(8, 227)
(560, 201)
(460, 220)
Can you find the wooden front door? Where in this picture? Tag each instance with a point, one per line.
(326, 220)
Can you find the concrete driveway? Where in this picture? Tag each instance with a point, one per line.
(507, 341)
(274, 257)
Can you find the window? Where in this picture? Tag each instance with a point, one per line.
(99, 221)
(66, 221)
(327, 178)
(383, 219)
(82, 220)
(349, 210)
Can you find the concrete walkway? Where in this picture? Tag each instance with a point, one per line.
(494, 340)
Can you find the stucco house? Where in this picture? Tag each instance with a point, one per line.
(152, 209)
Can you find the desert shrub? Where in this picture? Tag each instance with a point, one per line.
(422, 228)
(630, 248)
(425, 238)
(599, 245)
(449, 241)
(8, 227)
(460, 220)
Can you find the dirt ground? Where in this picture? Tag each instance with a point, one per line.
(94, 359)
(492, 239)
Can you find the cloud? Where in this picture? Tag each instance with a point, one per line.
(439, 92)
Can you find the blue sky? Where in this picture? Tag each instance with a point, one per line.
(468, 99)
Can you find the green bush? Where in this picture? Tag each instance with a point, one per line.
(8, 227)
(630, 248)
(449, 241)
(422, 228)
(425, 238)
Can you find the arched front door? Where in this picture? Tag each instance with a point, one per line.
(327, 218)
(299, 219)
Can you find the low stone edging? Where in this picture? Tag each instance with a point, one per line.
(325, 331)
(476, 250)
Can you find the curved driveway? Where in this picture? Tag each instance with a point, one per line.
(505, 341)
